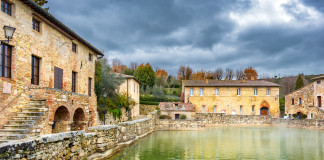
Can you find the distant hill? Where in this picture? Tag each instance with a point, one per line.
(288, 83)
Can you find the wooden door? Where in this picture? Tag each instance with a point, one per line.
(264, 111)
(319, 100)
(177, 116)
(58, 78)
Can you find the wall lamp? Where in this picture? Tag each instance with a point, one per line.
(9, 32)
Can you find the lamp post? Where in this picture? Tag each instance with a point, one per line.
(9, 32)
(105, 95)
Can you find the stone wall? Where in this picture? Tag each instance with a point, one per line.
(300, 123)
(144, 109)
(180, 125)
(101, 142)
(221, 118)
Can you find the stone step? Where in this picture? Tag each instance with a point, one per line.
(12, 136)
(30, 113)
(4, 141)
(26, 117)
(19, 126)
(14, 131)
(34, 109)
(15, 122)
(35, 104)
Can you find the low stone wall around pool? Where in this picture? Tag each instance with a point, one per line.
(221, 118)
(164, 124)
(299, 123)
(102, 141)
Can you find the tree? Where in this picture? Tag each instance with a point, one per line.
(199, 75)
(251, 73)
(239, 74)
(41, 2)
(145, 74)
(117, 66)
(133, 65)
(184, 73)
(299, 82)
(229, 73)
(188, 73)
(110, 82)
(219, 73)
(161, 73)
(129, 71)
(98, 79)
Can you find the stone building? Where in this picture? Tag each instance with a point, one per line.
(176, 109)
(46, 74)
(307, 100)
(242, 97)
(130, 88)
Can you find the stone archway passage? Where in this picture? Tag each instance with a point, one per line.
(78, 120)
(61, 120)
(264, 111)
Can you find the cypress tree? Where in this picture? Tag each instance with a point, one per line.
(299, 82)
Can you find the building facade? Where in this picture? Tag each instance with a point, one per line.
(306, 101)
(46, 73)
(176, 109)
(243, 97)
(131, 88)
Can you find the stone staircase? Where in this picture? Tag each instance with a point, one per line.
(24, 122)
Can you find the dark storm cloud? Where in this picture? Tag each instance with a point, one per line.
(273, 36)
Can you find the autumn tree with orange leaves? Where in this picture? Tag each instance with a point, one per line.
(184, 73)
(161, 73)
(251, 73)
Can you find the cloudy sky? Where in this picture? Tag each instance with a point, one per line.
(274, 36)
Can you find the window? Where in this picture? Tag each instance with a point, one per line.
(74, 81)
(255, 92)
(215, 107)
(292, 101)
(238, 91)
(201, 91)
(74, 48)
(90, 57)
(58, 78)
(6, 7)
(318, 82)
(203, 109)
(268, 92)
(319, 101)
(89, 86)
(191, 92)
(241, 109)
(35, 70)
(300, 101)
(36, 25)
(5, 61)
(216, 92)
(253, 109)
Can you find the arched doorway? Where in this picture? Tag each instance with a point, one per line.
(264, 111)
(78, 120)
(61, 120)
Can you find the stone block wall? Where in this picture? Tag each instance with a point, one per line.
(221, 118)
(101, 142)
(144, 109)
(300, 123)
(180, 125)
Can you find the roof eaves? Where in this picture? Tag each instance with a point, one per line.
(51, 18)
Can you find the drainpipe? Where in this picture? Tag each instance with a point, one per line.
(127, 88)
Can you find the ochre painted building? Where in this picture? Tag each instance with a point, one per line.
(242, 97)
(47, 74)
(307, 100)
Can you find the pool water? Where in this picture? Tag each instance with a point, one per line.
(228, 143)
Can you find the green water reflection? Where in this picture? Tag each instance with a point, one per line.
(228, 143)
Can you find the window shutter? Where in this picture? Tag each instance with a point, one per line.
(58, 78)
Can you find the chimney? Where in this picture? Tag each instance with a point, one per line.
(226, 79)
(252, 78)
(243, 80)
(207, 81)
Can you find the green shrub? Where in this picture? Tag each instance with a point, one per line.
(164, 117)
(183, 116)
(294, 115)
(304, 116)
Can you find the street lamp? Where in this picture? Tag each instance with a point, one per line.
(9, 32)
(105, 95)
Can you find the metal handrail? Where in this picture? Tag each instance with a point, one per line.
(5, 106)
